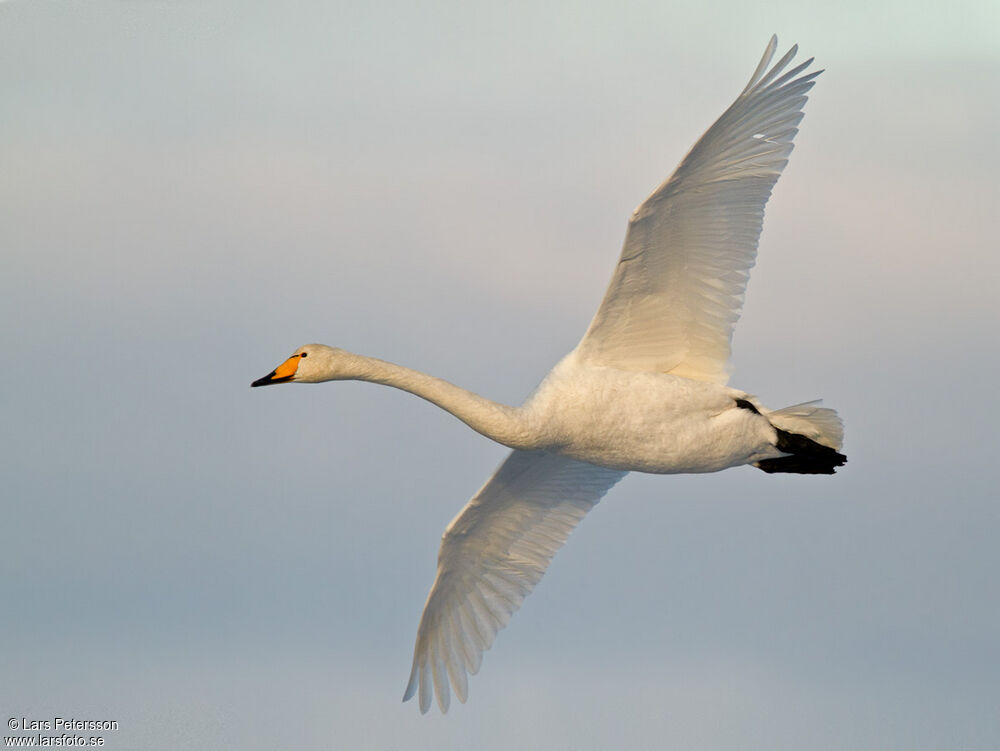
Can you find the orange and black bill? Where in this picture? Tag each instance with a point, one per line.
(281, 374)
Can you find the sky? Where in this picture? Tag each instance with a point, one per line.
(190, 191)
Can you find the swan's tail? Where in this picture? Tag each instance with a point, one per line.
(811, 435)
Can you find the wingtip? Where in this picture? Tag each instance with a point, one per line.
(411, 685)
(424, 702)
(442, 689)
(765, 60)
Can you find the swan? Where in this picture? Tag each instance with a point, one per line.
(644, 390)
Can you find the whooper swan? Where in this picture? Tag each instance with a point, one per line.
(644, 390)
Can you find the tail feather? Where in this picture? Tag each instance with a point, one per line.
(811, 436)
(808, 419)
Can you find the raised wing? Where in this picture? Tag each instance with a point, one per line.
(678, 288)
(492, 555)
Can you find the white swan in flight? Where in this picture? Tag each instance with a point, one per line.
(645, 389)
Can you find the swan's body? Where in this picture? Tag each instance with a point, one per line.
(645, 422)
(643, 391)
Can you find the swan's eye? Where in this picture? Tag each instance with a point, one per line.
(303, 354)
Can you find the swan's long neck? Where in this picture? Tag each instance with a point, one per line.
(499, 422)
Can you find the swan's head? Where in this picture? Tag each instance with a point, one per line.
(310, 364)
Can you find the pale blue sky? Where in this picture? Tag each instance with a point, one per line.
(189, 191)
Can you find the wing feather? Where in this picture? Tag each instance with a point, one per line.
(678, 288)
(492, 555)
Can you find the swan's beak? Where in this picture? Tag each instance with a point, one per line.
(280, 374)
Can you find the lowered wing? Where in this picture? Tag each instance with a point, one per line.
(492, 555)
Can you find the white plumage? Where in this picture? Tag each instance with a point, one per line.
(643, 391)
(678, 288)
(492, 555)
